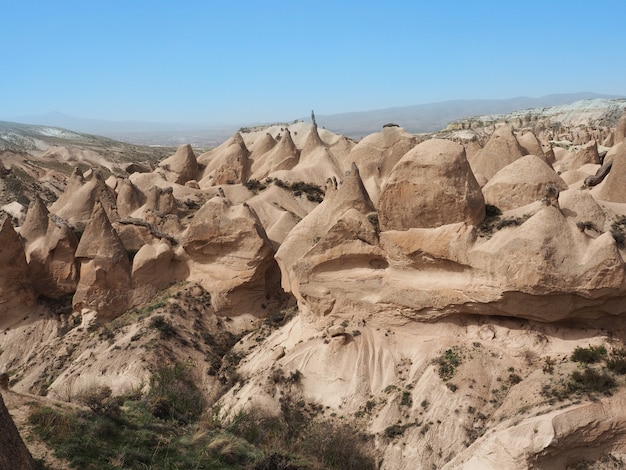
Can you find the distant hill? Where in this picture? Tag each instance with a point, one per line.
(432, 117)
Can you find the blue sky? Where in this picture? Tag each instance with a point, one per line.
(259, 61)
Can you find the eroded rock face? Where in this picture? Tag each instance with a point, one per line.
(613, 188)
(377, 154)
(432, 185)
(16, 292)
(182, 166)
(226, 164)
(520, 183)
(105, 271)
(501, 149)
(80, 196)
(230, 255)
(13, 452)
(336, 238)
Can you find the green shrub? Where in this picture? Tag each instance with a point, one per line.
(174, 395)
(617, 362)
(164, 326)
(448, 362)
(589, 355)
(590, 380)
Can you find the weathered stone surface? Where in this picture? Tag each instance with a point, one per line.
(377, 154)
(13, 452)
(431, 185)
(105, 271)
(520, 183)
(613, 188)
(501, 149)
(16, 292)
(226, 164)
(230, 255)
(182, 166)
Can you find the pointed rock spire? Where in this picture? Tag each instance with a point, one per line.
(105, 271)
(36, 222)
(182, 166)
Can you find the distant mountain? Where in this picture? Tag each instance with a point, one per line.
(429, 117)
(432, 117)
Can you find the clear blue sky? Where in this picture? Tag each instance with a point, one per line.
(247, 61)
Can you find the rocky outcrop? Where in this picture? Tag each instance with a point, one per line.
(432, 185)
(13, 452)
(76, 203)
(520, 183)
(613, 188)
(336, 237)
(182, 166)
(105, 271)
(226, 164)
(16, 292)
(501, 149)
(587, 154)
(376, 154)
(129, 198)
(620, 130)
(230, 255)
(530, 144)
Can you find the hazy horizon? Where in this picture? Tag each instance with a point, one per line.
(225, 64)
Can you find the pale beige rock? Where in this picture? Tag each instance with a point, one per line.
(620, 130)
(431, 185)
(152, 270)
(546, 255)
(129, 198)
(230, 255)
(270, 157)
(104, 269)
(530, 144)
(226, 164)
(182, 166)
(51, 260)
(501, 149)
(520, 183)
(587, 154)
(76, 203)
(377, 154)
(613, 189)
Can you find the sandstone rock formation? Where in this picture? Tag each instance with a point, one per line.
(105, 271)
(13, 453)
(376, 155)
(182, 166)
(230, 255)
(16, 292)
(226, 164)
(521, 182)
(434, 174)
(501, 150)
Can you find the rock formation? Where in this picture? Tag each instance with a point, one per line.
(521, 183)
(182, 166)
(16, 292)
(230, 255)
(13, 453)
(105, 271)
(432, 185)
(501, 150)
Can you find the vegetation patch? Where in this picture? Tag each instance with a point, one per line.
(589, 355)
(448, 363)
